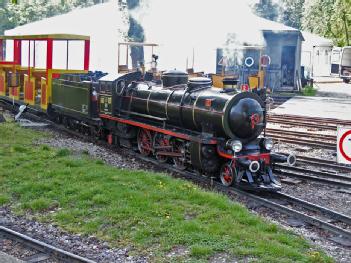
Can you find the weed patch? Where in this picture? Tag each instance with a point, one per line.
(309, 91)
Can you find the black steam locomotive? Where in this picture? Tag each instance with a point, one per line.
(187, 122)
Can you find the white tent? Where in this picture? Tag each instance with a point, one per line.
(316, 54)
(183, 26)
(180, 27)
(103, 23)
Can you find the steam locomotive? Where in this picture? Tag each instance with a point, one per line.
(186, 122)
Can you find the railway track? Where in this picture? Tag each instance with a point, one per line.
(309, 122)
(303, 138)
(302, 124)
(330, 121)
(313, 214)
(301, 134)
(323, 163)
(313, 175)
(45, 252)
(327, 220)
(294, 140)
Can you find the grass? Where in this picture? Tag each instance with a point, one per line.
(309, 91)
(147, 211)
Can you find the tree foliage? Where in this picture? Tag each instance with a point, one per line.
(292, 13)
(267, 9)
(136, 31)
(132, 4)
(329, 18)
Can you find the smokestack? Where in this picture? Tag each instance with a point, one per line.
(135, 34)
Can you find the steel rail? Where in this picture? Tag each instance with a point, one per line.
(312, 119)
(302, 124)
(47, 249)
(301, 133)
(322, 162)
(314, 178)
(314, 172)
(323, 224)
(329, 146)
(317, 208)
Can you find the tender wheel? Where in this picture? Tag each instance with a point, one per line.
(179, 162)
(227, 175)
(144, 142)
(161, 144)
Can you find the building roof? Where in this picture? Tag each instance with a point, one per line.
(47, 36)
(198, 29)
(313, 40)
(103, 23)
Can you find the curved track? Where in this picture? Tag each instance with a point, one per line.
(44, 251)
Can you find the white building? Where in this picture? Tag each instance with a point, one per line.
(316, 55)
(104, 23)
(182, 28)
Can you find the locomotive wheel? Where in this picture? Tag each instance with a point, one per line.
(227, 175)
(179, 162)
(145, 142)
(161, 143)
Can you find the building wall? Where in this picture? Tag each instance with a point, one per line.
(284, 49)
(279, 76)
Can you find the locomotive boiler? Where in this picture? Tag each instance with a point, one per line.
(195, 105)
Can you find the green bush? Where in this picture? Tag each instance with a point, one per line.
(309, 91)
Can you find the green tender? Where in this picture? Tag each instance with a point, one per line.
(71, 97)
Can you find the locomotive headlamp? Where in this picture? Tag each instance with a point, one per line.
(236, 146)
(268, 144)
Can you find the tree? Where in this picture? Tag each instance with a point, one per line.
(329, 18)
(266, 9)
(292, 13)
(132, 4)
(26, 11)
(342, 20)
(135, 31)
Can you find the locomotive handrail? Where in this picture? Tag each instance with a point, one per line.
(144, 115)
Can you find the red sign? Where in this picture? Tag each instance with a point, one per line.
(245, 87)
(341, 145)
(344, 145)
(265, 60)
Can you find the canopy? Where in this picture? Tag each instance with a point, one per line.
(103, 23)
